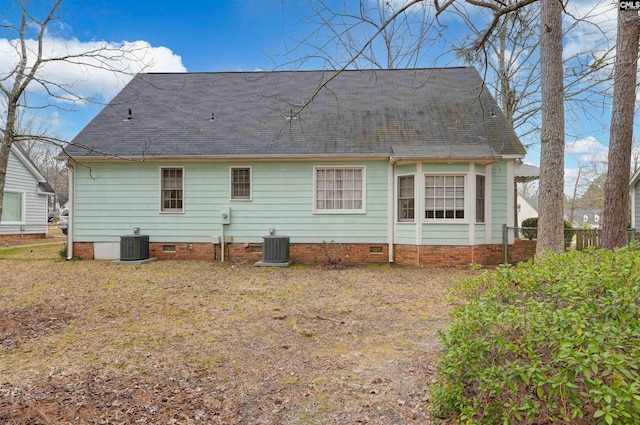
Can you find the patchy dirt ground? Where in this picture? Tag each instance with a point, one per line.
(88, 342)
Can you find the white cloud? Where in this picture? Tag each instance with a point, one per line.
(587, 150)
(592, 27)
(89, 77)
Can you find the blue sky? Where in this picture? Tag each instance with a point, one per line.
(213, 35)
(247, 35)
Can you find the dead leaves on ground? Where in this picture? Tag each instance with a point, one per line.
(201, 343)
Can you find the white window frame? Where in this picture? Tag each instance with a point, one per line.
(466, 201)
(22, 207)
(231, 183)
(161, 199)
(362, 210)
(415, 203)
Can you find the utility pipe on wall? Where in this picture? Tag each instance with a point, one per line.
(222, 244)
(71, 219)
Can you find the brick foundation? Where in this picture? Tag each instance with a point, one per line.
(312, 254)
(522, 250)
(8, 240)
(83, 250)
(447, 256)
(300, 253)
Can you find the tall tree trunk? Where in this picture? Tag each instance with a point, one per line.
(550, 222)
(5, 147)
(616, 192)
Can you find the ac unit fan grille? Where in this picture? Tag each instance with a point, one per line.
(134, 248)
(275, 249)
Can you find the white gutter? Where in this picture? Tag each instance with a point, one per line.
(511, 198)
(72, 187)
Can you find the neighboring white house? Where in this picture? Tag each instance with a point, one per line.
(590, 219)
(24, 202)
(527, 208)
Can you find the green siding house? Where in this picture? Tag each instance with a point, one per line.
(412, 166)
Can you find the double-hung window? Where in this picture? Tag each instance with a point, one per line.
(12, 207)
(339, 190)
(444, 197)
(406, 198)
(241, 183)
(172, 189)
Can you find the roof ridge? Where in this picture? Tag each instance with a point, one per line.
(278, 71)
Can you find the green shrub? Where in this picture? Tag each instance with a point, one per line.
(568, 234)
(530, 230)
(550, 342)
(533, 232)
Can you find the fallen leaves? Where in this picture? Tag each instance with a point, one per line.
(194, 342)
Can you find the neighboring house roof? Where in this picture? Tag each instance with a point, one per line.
(443, 113)
(21, 154)
(45, 187)
(526, 172)
(593, 217)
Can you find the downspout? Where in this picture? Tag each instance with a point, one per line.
(511, 200)
(633, 205)
(222, 244)
(391, 226)
(70, 227)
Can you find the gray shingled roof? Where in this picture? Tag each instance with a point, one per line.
(426, 113)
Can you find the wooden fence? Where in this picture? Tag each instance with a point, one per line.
(586, 238)
(578, 239)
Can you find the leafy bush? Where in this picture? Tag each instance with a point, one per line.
(533, 232)
(530, 230)
(555, 341)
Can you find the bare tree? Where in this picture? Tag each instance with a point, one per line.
(510, 63)
(550, 235)
(635, 156)
(592, 198)
(588, 190)
(43, 154)
(576, 188)
(28, 41)
(529, 189)
(616, 201)
(369, 34)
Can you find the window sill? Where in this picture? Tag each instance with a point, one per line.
(446, 221)
(340, 212)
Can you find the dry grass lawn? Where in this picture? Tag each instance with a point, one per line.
(88, 342)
